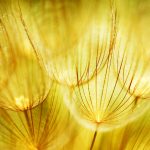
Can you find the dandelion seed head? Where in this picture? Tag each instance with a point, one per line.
(77, 44)
(104, 104)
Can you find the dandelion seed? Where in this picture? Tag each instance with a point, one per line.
(28, 86)
(63, 66)
(23, 83)
(134, 60)
(43, 127)
(103, 104)
(130, 136)
(104, 75)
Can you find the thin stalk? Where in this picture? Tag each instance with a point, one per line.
(93, 140)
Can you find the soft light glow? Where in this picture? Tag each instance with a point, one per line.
(22, 102)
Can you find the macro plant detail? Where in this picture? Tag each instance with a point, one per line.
(74, 75)
(25, 82)
(91, 46)
(136, 68)
(7, 59)
(37, 128)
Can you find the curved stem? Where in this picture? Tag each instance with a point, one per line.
(93, 140)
